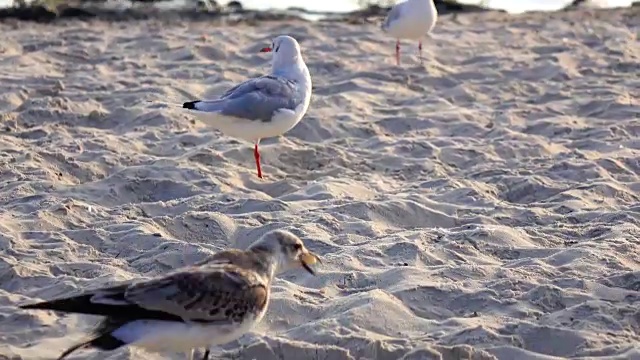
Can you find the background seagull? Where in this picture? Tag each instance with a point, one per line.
(262, 107)
(211, 303)
(411, 19)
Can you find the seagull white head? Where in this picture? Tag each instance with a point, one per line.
(286, 51)
(287, 249)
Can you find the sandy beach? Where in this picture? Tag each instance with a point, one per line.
(484, 206)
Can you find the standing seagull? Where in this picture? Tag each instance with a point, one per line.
(411, 19)
(262, 107)
(211, 303)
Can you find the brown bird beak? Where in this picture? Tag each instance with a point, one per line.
(307, 259)
(265, 49)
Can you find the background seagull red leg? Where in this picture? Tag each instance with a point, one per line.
(256, 154)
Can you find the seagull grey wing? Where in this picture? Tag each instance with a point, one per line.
(260, 98)
(212, 294)
(217, 105)
(394, 14)
(241, 88)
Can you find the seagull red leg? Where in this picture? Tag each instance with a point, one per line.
(398, 52)
(256, 154)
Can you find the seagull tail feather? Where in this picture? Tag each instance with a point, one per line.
(191, 105)
(203, 105)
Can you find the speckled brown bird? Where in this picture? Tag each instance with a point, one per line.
(210, 303)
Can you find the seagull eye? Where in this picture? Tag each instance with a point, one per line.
(297, 247)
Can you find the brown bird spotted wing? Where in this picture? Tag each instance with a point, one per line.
(223, 293)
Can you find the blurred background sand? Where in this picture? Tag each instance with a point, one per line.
(482, 206)
(351, 5)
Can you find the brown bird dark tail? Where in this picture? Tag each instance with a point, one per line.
(103, 342)
(74, 348)
(103, 339)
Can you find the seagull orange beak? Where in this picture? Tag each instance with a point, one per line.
(265, 49)
(307, 259)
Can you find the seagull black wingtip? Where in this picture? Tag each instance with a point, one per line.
(190, 105)
(39, 305)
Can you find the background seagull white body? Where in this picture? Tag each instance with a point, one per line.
(263, 107)
(412, 20)
(212, 303)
